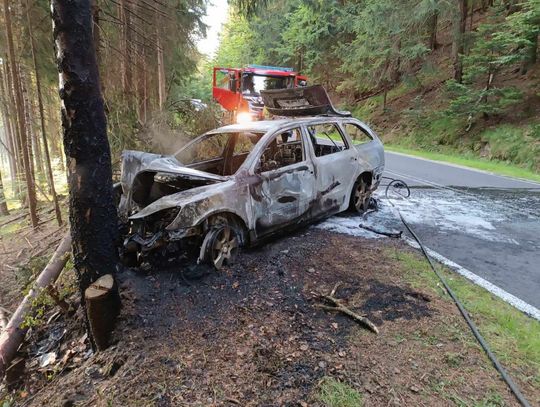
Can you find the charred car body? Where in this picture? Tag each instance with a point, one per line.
(238, 184)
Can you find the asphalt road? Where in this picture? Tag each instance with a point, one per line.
(421, 172)
(486, 223)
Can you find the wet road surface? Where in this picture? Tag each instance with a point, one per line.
(486, 223)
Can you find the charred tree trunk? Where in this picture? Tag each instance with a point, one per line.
(92, 215)
(458, 44)
(31, 192)
(102, 308)
(50, 177)
(96, 35)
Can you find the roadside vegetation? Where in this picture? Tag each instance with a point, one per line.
(513, 336)
(458, 78)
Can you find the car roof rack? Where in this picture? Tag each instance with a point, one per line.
(303, 101)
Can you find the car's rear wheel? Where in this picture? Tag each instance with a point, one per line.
(220, 246)
(360, 196)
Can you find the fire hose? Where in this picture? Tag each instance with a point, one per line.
(400, 188)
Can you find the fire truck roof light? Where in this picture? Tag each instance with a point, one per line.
(270, 68)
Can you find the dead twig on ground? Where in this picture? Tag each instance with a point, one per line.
(337, 306)
(14, 333)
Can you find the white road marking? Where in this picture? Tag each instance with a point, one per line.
(511, 299)
(430, 183)
(463, 167)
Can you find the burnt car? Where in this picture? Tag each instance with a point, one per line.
(241, 183)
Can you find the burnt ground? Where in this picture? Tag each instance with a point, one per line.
(251, 336)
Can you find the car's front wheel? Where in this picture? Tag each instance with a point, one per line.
(360, 196)
(220, 246)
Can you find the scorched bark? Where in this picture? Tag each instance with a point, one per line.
(92, 212)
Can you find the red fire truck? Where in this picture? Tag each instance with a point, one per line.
(238, 90)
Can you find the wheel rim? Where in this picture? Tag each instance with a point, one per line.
(224, 247)
(361, 196)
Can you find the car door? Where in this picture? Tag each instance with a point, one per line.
(335, 167)
(285, 185)
(370, 154)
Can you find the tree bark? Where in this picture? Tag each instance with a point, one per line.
(31, 192)
(6, 118)
(127, 62)
(50, 177)
(96, 34)
(93, 216)
(103, 306)
(161, 71)
(33, 143)
(14, 334)
(460, 25)
(433, 23)
(3, 203)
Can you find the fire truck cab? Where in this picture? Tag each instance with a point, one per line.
(238, 90)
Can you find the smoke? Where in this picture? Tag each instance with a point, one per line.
(161, 137)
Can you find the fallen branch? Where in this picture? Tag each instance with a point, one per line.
(14, 334)
(339, 307)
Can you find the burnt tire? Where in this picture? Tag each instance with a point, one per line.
(220, 246)
(130, 259)
(360, 196)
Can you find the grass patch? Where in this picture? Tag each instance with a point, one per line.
(468, 160)
(513, 336)
(337, 394)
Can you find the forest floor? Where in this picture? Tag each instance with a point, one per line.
(252, 335)
(24, 251)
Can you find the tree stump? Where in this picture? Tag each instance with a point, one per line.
(102, 307)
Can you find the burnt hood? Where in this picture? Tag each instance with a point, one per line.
(134, 162)
(304, 101)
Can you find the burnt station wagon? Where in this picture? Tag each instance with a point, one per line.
(239, 183)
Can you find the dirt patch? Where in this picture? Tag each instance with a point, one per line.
(251, 336)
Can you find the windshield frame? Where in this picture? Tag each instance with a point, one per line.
(289, 82)
(227, 146)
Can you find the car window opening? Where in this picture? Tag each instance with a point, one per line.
(326, 139)
(358, 134)
(253, 84)
(219, 153)
(285, 149)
